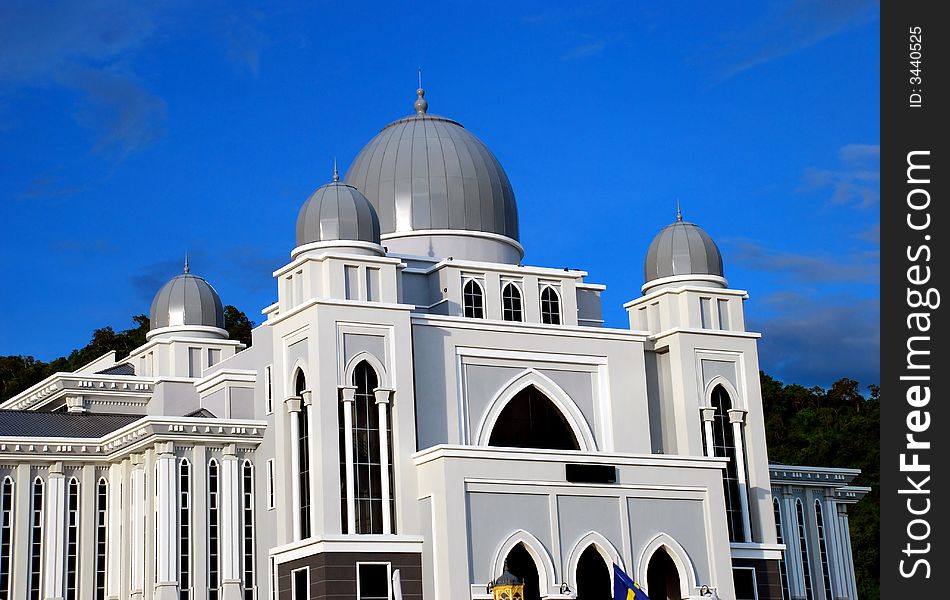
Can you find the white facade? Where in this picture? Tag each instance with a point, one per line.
(258, 472)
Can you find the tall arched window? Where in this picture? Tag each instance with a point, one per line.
(803, 545)
(780, 538)
(36, 540)
(550, 306)
(473, 300)
(247, 523)
(594, 577)
(663, 578)
(6, 536)
(214, 532)
(72, 537)
(823, 549)
(511, 303)
(184, 529)
(102, 499)
(303, 456)
(724, 446)
(531, 420)
(521, 564)
(367, 459)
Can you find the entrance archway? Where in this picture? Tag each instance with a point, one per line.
(521, 564)
(663, 579)
(593, 576)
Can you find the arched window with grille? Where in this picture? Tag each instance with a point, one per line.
(214, 531)
(803, 546)
(184, 529)
(823, 549)
(473, 299)
(724, 446)
(367, 457)
(511, 309)
(550, 306)
(36, 540)
(102, 499)
(72, 538)
(303, 456)
(780, 537)
(6, 536)
(247, 525)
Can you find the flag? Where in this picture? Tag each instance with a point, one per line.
(397, 586)
(625, 588)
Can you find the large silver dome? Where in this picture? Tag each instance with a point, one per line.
(682, 249)
(337, 212)
(186, 301)
(428, 174)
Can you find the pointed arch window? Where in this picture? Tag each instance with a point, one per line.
(214, 531)
(247, 524)
(531, 420)
(473, 299)
(724, 446)
(102, 498)
(550, 306)
(36, 540)
(803, 546)
(780, 538)
(184, 529)
(72, 538)
(6, 536)
(594, 576)
(303, 456)
(511, 309)
(823, 549)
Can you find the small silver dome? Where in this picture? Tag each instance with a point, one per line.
(337, 211)
(682, 248)
(425, 172)
(186, 300)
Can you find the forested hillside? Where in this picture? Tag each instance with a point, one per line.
(838, 427)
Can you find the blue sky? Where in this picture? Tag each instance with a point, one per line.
(131, 133)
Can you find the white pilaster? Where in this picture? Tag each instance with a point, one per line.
(796, 576)
(293, 407)
(709, 414)
(737, 418)
(137, 528)
(348, 399)
(166, 574)
(55, 543)
(830, 521)
(382, 405)
(307, 396)
(114, 533)
(849, 556)
(230, 525)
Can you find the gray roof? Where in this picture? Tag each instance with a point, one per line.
(682, 248)
(28, 423)
(337, 211)
(119, 369)
(186, 300)
(427, 172)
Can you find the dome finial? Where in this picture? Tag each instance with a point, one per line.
(336, 173)
(420, 105)
(186, 262)
(679, 213)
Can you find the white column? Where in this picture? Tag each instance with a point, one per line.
(849, 557)
(737, 417)
(382, 405)
(793, 562)
(709, 414)
(315, 492)
(137, 528)
(348, 398)
(114, 532)
(293, 407)
(830, 521)
(166, 574)
(55, 542)
(230, 525)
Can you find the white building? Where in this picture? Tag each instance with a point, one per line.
(418, 399)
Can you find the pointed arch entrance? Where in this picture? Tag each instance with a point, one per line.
(594, 576)
(663, 580)
(521, 564)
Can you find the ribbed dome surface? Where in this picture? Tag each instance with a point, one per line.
(682, 248)
(186, 300)
(337, 211)
(425, 172)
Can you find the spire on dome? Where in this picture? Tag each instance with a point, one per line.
(336, 173)
(420, 105)
(186, 262)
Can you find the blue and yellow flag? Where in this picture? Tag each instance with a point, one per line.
(625, 588)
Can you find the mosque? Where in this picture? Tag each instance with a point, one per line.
(419, 400)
